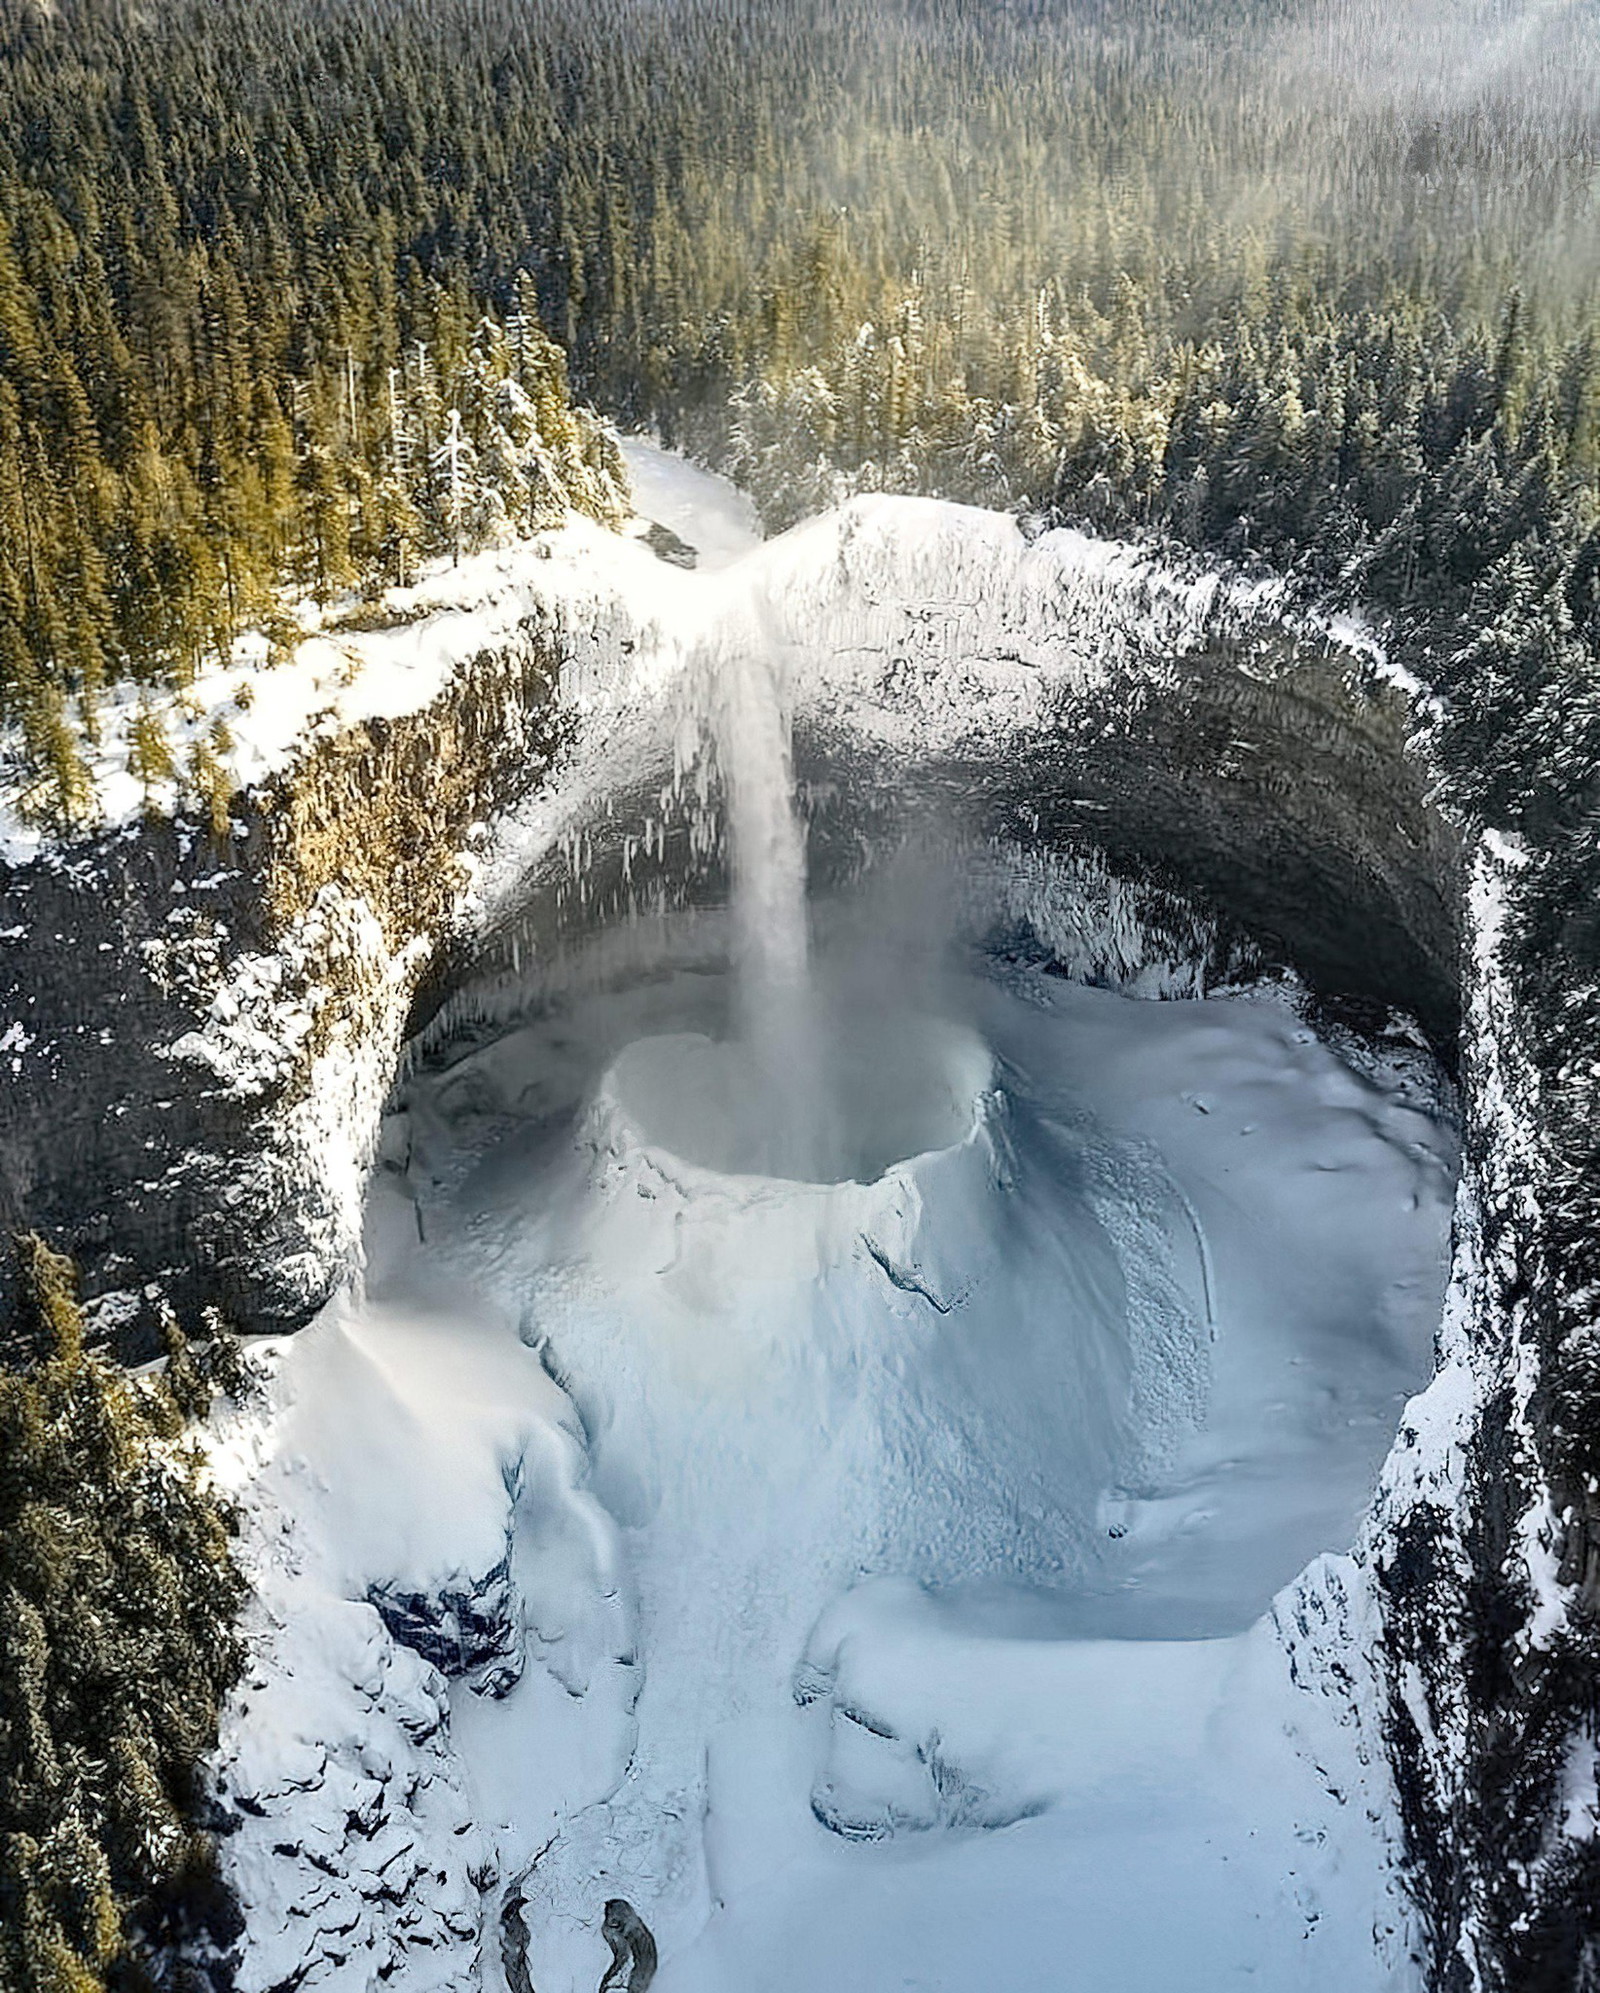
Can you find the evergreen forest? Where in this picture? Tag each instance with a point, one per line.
(117, 1643)
(288, 293)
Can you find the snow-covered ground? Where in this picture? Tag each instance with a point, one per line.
(896, 1576)
(260, 707)
(888, 1564)
(705, 511)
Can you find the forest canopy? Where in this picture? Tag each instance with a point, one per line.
(1305, 282)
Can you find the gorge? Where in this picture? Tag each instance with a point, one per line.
(799, 996)
(715, 1487)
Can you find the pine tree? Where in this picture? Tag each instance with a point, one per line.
(324, 521)
(150, 757)
(62, 794)
(455, 493)
(212, 781)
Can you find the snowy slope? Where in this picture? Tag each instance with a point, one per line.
(705, 511)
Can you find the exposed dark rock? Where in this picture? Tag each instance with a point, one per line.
(1491, 1652)
(666, 546)
(471, 1632)
(514, 1940)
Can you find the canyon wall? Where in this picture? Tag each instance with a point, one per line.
(198, 1032)
(196, 1038)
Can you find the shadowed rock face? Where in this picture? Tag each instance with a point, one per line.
(199, 1036)
(1291, 810)
(108, 1147)
(473, 1630)
(1287, 810)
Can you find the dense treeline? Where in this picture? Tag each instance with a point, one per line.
(117, 1605)
(1203, 267)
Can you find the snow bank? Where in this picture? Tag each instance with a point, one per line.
(393, 1452)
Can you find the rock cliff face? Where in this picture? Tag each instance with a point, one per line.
(196, 1043)
(1481, 1544)
(199, 1033)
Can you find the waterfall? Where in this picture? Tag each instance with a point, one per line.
(775, 1005)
